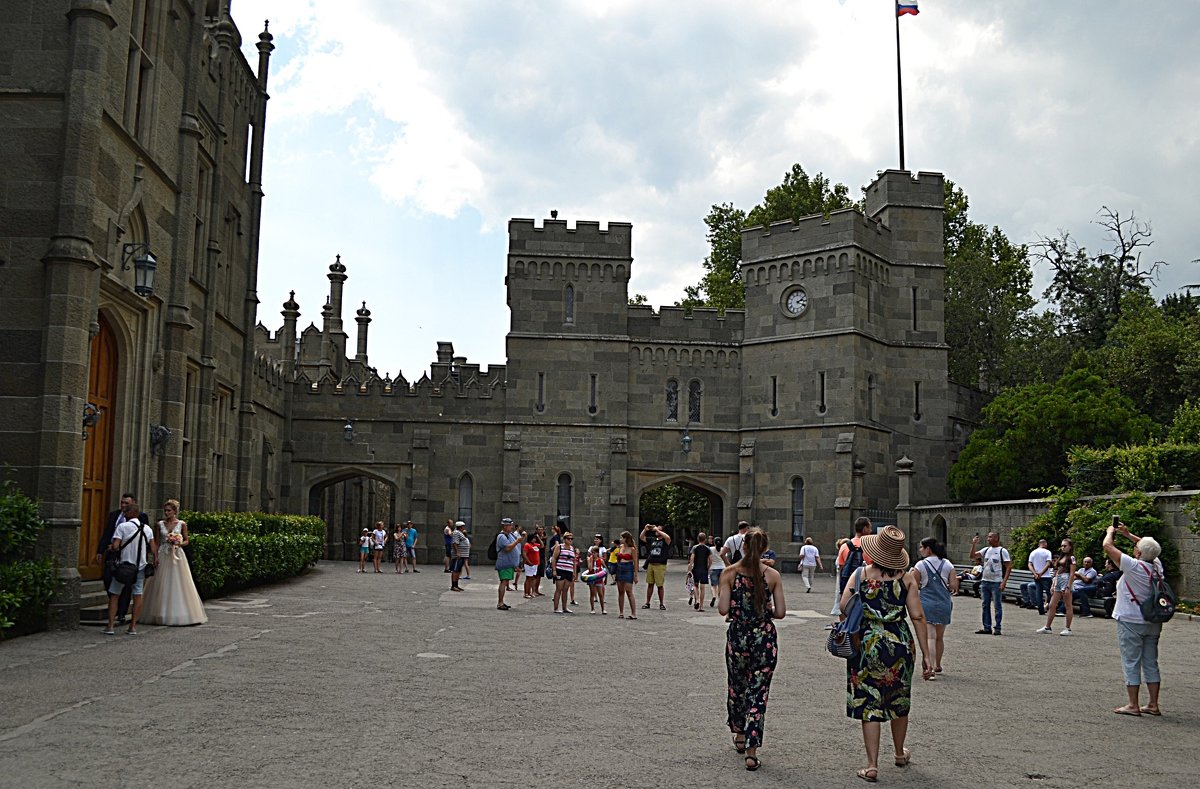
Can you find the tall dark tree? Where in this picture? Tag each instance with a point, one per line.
(1089, 290)
(988, 301)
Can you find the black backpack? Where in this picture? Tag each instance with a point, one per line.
(492, 553)
(1159, 607)
(854, 560)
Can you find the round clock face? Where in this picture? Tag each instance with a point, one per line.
(797, 302)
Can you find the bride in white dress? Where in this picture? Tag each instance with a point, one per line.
(171, 596)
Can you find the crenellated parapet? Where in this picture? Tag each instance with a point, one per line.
(677, 324)
(555, 239)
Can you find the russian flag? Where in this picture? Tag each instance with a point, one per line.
(906, 8)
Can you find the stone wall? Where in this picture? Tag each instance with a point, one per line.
(956, 524)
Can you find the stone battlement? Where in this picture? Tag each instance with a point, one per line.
(676, 324)
(555, 239)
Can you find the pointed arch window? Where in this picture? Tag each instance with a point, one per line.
(565, 490)
(694, 392)
(466, 497)
(569, 304)
(672, 400)
(797, 509)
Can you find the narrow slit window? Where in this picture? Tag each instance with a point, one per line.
(694, 401)
(774, 395)
(798, 510)
(821, 407)
(592, 406)
(871, 398)
(466, 497)
(541, 393)
(569, 304)
(917, 400)
(914, 308)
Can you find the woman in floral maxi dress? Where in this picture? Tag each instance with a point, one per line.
(751, 595)
(879, 678)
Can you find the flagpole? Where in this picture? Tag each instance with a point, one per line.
(899, 88)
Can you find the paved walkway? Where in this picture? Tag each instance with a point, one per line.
(341, 679)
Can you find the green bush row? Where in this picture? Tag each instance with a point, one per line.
(236, 550)
(26, 587)
(1142, 467)
(1085, 523)
(20, 523)
(256, 523)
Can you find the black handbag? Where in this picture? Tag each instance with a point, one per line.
(126, 573)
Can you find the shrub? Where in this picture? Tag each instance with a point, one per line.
(26, 584)
(1085, 523)
(236, 550)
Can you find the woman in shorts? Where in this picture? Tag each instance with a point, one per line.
(698, 564)
(1060, 585)
(532, 556)
(627, 559)
(364, 549)
(563, 560)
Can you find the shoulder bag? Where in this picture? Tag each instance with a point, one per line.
(845, 639)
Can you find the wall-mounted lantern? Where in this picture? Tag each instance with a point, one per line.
(348, 430)
(144, 266)
(91, 415)
(685, 442)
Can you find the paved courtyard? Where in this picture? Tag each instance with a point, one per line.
(341, 679)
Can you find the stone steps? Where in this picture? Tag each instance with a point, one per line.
(93, 603)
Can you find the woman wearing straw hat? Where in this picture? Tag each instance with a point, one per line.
(879, 678)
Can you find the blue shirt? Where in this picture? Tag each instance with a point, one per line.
(506, 559)
(410, 538)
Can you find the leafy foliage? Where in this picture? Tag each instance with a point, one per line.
(683, 510)
(26, 584)
(988, 301)
(1022, 444)
(235, 550)
(1151, 466)
(1085, 523)
(799, 195)
(1153, 356)
(1185, 427)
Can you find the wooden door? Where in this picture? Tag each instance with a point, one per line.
(98, 449)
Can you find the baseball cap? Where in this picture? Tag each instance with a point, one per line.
(459, 524)
(506, 521)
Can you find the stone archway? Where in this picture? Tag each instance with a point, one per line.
(690, 522)
(349, 500)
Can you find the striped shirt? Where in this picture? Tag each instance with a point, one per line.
(462, 545)
(566, 559)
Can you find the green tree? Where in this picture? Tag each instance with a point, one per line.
(1026, 432)
(1090, 291)
(1152, 356)
(682, 510)
(799, 195)
(988, 301)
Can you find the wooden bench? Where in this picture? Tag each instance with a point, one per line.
(1011, 591)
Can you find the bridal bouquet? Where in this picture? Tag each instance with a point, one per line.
(175, 539)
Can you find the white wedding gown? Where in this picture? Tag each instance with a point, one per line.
(171, 596)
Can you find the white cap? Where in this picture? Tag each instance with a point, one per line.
(459, 524)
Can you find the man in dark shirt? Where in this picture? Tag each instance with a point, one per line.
(129, 510)
(658, 544)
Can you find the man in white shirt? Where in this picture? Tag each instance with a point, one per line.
(1037, 592)
(135, 542)
(731, 551)
(997, 567)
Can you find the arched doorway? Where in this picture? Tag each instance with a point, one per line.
(98, 448)
(939, 529)
(349, 502)
(684, 509)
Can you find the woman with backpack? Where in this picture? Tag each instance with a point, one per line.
(937, 583)
(1138, 593)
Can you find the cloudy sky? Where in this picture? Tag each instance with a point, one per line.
(404, 135)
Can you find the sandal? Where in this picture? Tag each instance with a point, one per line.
(1137, 713)
(662, 607)
(739, 743)
(752, 763)
(868, 774)
(647, 605)
(903, 759)
(622, 616)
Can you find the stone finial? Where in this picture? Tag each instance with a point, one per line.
(291, 305)
(337, 267)
(904, 465)
(363, 312)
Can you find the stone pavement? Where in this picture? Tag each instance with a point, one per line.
(341, 679)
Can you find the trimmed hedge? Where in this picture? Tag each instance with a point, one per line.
(26, 584)
(1141, 467)
(236, 550)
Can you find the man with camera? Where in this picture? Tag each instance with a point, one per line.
(134, 542)
(128, 510)
(658, 544)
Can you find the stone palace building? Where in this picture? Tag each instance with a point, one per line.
(131, 358)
